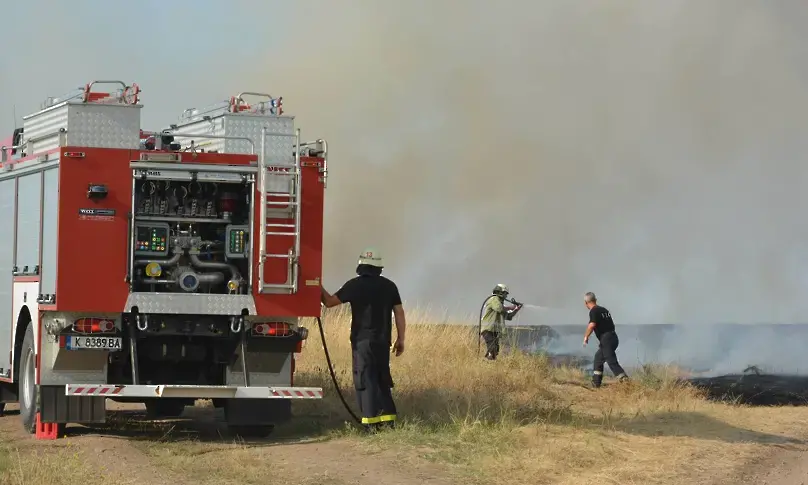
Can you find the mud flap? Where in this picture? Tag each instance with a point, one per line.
(56, 407)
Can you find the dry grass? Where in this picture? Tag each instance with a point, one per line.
(514, 421)
(519, 420)
(23, 462)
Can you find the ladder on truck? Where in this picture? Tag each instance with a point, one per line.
(279, 185)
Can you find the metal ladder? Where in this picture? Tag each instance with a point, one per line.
(269, 171)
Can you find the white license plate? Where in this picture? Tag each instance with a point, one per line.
(74, 342)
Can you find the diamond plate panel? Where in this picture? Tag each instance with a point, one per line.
(103, 126)
(194, 304)
(279, 149)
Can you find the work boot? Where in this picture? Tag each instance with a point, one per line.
(622, 378)
(597, 380)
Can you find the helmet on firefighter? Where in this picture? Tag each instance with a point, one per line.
(371, 257)
(500, 290)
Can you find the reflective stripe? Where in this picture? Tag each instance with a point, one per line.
(379, 419)
(598, 373)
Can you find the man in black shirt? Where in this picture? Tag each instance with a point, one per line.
(600, 321)
(374, 300)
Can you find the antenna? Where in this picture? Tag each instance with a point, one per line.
(14, 114)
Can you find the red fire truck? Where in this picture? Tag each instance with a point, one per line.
(157, 267)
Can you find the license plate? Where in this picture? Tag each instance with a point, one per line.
(74, 342)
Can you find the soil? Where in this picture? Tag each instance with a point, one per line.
(113, 448)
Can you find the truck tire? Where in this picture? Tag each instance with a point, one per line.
(258, 431)
(164, 408)
(28, 388)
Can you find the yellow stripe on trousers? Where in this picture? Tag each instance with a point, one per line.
(379, 419)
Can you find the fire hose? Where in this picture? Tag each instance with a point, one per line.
(333, 375)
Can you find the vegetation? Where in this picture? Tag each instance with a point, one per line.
(463, 419)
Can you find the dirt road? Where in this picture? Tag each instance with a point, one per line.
(786, 467)
(198, 451)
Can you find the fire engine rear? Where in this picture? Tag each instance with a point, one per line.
(157, 267)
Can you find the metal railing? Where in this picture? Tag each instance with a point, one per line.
(4, 150)
(214, 137)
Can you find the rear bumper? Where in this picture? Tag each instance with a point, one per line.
(193, 392)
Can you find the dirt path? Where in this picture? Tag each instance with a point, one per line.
(784, 467)
(181, 452)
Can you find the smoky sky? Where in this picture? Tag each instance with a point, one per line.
(651, 152)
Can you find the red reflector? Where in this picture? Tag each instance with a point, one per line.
(74, 154)
(62, 341)
(93, 325)
(272, 329)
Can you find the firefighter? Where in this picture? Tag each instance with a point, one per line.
(600, 322)
(373, 300)
(492, 319)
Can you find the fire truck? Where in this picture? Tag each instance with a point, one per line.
(157, 267)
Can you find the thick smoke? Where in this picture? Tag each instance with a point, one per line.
(651, 152)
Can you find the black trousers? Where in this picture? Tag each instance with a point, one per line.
(373, 383)
(607, 354)
(491, 344)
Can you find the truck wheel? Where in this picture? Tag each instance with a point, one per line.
(28, 389)
(164, 408)
(245, 431)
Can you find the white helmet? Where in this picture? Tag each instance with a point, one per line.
(371, 257)
(500, 289)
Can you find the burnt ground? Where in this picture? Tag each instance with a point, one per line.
(749, 386)
(756, 389)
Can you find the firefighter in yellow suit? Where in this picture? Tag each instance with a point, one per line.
(374, 301)
(492, 321)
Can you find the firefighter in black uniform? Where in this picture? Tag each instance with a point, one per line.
(374, 299)
(600, 322)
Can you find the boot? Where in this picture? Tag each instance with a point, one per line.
(597, 380)
(622, 378)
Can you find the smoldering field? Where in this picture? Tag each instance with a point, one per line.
(698, 350)
(652, 152)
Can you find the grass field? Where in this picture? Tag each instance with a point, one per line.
(462, 420)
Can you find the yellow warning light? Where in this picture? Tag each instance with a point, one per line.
(232, 285)
(153, 270)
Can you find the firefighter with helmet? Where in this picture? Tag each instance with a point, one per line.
(374, 299)
(492, 319)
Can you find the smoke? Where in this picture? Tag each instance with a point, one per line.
(652, 152)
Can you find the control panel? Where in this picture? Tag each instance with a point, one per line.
(238, 239)
(151, 239)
